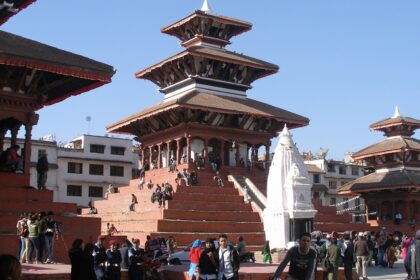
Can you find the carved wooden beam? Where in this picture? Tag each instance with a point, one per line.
(245, 118)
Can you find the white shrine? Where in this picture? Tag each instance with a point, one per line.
(289, 210)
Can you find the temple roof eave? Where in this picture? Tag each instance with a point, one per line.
(395, 121)
(387, 146)
(218, 54)
(241, 23)
(400, 179)
(5, 15)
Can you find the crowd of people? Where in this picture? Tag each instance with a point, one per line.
(37, 234)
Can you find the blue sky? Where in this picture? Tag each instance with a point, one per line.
(343, 64)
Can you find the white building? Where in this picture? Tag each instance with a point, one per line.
(334, 175)
(82, 169)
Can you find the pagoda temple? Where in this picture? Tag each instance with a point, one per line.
(205, 110)
(34, 75)
(394, 187)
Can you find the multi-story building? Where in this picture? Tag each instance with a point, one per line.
(82, 169)
(335, 174)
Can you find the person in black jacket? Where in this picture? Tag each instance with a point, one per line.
(99, 255)
(113, 269)
(137, 256)
(348, 258)
(42, 169)
(76, 260)
(88, 263)
(228, 260)
(208, 264)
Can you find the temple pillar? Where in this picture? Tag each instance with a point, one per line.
(267, 156)
(159, 159)
(142, 152)
(237, 155)
(2, 135)
(14, 132)
(178, 151)
(168, 153)
(188, 149)
(206, 152)
(150, 156)
(222, 152)
(28, 144)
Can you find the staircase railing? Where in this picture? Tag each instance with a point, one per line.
(251, 193)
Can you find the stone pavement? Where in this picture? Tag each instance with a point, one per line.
(385, 273)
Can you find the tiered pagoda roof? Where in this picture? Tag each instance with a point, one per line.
(395, 159)
(206, 83)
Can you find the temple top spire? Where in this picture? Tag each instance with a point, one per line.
(397, 112)
(206, 8)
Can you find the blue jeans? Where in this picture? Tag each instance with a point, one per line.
(34, 243)
(49, 247)
(22, 247)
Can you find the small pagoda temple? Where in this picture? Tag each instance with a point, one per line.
(205, 111)
(33, 75)
(394, 187)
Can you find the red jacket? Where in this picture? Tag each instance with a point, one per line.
(195, 254)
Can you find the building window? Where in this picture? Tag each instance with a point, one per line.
(117, 150)
(99, 149)
(73, 190)
(96, 169)
(95, 191)
(117, 171)
(75, 167)
(331, 167)
(317, 179)
(342, 170)
(332, 185)
(355, 171)
(332, 201)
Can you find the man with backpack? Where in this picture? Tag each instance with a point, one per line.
(228, 259)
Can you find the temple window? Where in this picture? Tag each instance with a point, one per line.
(333, 201)
(317, 179)
(355, 171)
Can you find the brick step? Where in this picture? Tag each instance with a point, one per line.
(105, 207)
(208, 197)
(129, 216)
(128, 226)
(244, 216)
(14, 180)
(214, 206)
(36, 206)
(321, 217)
(25, 194)
(206, 226)
(327, 209)
(185, 238)
(207, 189)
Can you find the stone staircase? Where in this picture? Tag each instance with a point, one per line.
(18, 197)
(196, 212)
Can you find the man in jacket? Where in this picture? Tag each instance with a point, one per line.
(228, 260)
